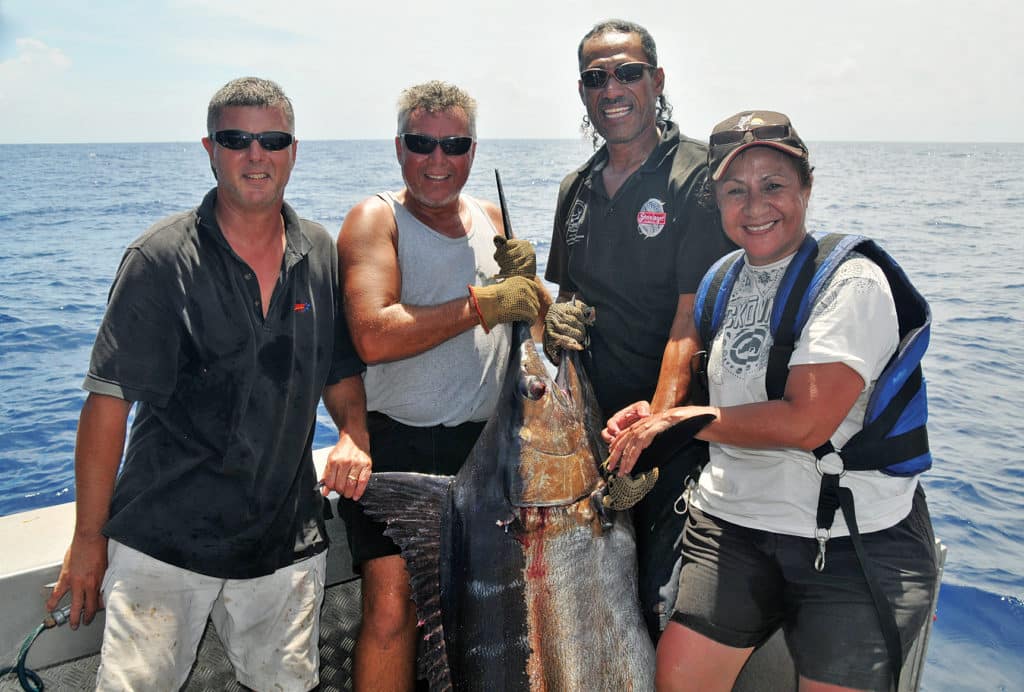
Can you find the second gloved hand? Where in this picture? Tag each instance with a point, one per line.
(566, 327)
(515, 257)
(514, 299)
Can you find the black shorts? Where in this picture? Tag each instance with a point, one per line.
(738, 585)
(395, 446)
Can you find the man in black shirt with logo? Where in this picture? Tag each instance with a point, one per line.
(632, 242)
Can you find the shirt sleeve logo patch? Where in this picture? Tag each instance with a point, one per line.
(651, 218)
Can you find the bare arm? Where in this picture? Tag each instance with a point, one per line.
(348, 463)
(816, 401)
(98, 449)
(674, 376)
(383, 328)
(683, 342)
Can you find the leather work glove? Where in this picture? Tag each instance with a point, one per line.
(566, 327)
(513, 299)
(515, 257)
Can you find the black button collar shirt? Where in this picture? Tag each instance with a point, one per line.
(218, 474)
(631, 256)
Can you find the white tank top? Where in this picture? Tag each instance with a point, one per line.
(458, 380)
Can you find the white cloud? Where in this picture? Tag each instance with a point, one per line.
(33, 60)
(34, 88)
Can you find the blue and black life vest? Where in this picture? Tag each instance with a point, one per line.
(894, 438)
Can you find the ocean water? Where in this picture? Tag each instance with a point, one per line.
(950, 213)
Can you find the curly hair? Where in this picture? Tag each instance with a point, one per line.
(663, 109)
(435, 96)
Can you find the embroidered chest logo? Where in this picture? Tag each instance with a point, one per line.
(651, 218)
(301, 307)
(574, 222)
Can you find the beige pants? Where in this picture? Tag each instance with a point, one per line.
(156, 614)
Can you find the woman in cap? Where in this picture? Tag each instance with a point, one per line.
(755, 557)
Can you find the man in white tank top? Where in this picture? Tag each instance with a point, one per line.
(430, 302)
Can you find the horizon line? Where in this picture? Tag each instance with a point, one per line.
(513, 139)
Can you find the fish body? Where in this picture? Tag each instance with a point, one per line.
(523, 580)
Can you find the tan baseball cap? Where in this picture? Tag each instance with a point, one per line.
(751, 129)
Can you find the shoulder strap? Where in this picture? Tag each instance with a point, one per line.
(717, 283)
(816, 260)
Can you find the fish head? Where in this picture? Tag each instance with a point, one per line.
(555, 424)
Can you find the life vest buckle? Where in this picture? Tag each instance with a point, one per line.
(689, 484)
(821, 535)
(831, 464)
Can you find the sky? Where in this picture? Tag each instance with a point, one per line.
(870, 70)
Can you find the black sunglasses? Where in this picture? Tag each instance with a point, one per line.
(626, 73)
(765, 132)
(240, 139)
(424, 144)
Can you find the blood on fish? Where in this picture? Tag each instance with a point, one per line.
(536, 518)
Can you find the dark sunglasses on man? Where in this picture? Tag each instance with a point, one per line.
(626, 73)
(425, 144)
(240, 139)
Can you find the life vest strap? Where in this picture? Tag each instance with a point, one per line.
(833, 496)
(874, 447)
(777, 372)
(878, 454)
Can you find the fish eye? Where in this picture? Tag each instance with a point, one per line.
(532, 387)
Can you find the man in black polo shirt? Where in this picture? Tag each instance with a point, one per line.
(224, 327)
(631, 240)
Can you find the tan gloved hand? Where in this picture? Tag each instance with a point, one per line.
(566, 327)
(513, 299)
(515, 257)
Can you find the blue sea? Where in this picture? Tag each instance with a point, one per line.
(950, 213)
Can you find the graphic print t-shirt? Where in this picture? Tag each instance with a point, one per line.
(853, 322)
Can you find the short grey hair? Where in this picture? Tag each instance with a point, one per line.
(435, 97)
(249, 92)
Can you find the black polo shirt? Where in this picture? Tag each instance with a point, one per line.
(218, 474)
(632, 256)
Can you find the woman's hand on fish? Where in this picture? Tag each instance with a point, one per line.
(623, 419)
(348, 468)
(626, 447)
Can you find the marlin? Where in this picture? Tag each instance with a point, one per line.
(523, 566)
(523, 578)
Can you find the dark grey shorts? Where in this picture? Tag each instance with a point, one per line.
(738, 585)
(395, 446)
